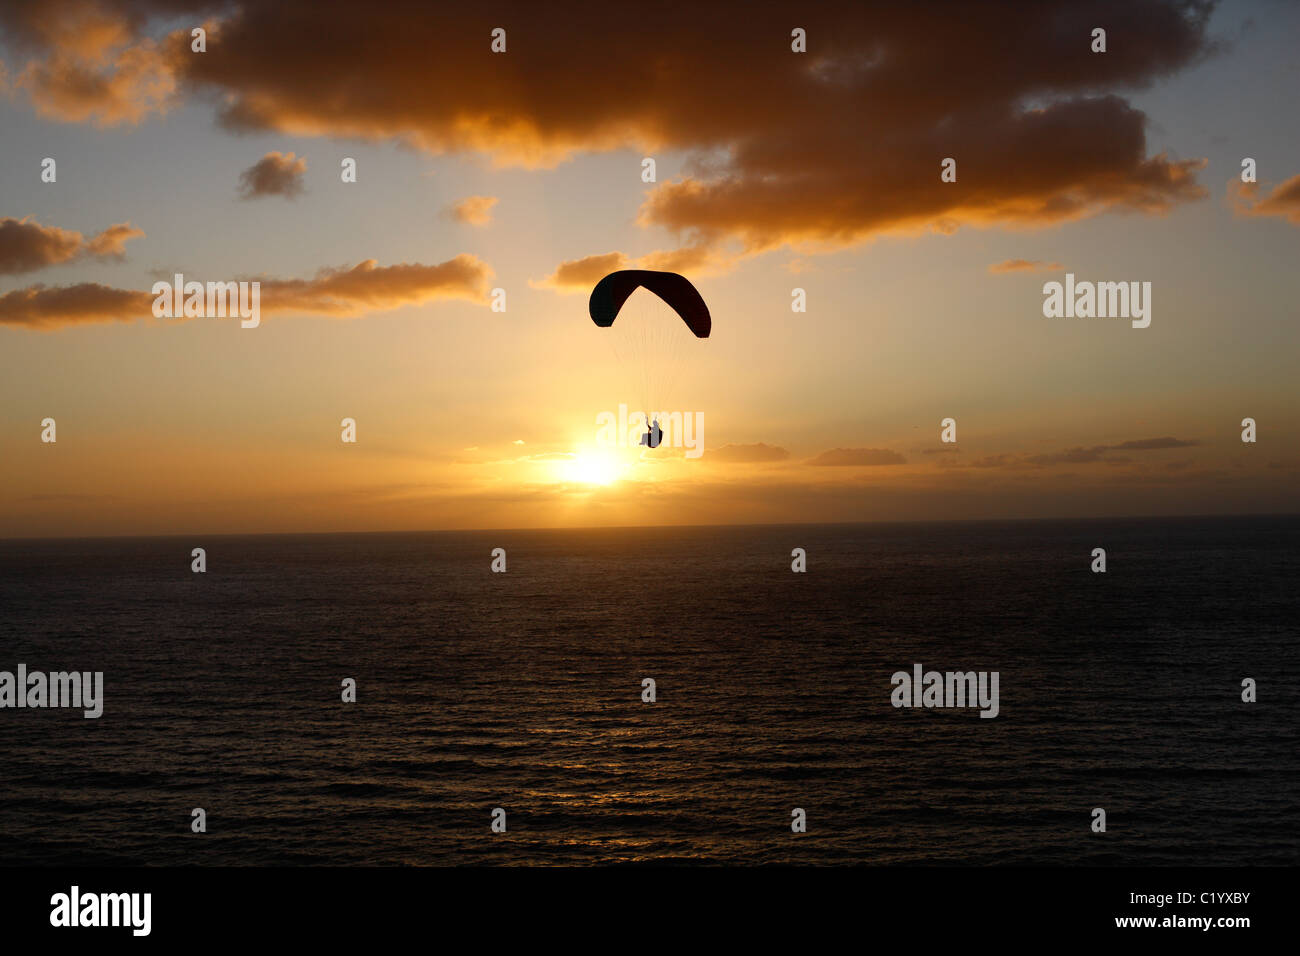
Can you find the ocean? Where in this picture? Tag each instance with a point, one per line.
(523, 690)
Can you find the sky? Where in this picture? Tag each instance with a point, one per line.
(522, 171)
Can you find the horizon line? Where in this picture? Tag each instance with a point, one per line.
(666, 527)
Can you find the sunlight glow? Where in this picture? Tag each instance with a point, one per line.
(589, 467)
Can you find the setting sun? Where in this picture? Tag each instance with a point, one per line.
(591, 468)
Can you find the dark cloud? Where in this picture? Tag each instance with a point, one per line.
(275, 174)
(820, 150)
(1083, 455)
(89, 60)
(26, 246)
(1151, 444)
(1071, 456)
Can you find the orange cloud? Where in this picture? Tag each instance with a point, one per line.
(38, 307)
(579, 275)
(817, 151)
(343, 292)
(111, 243)
(1023, 265)
(1283, 200)
(369, 287)
(91, 61)
(473, 210)
(26, 245)
(699, 259)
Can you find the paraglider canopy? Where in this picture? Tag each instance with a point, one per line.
(676, 290)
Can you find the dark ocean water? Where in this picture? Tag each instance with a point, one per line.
(523, 690)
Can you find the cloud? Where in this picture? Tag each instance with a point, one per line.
(1149, 444)
(1283, 200)
(816, 151)
(744, 454)
(1071, 456)
(474, 210)
(369, 287)
(1023, 265)
(38, 307)
(26, 245)
(579, 275)
(997, 461)
(111, 243)
(858, 456)
(84, 60)
(275, 174)
(344, 292)
(1083, 455)
(697, 260)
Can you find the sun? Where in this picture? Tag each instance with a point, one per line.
(590, 468)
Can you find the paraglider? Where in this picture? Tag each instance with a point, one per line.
(654, 436)
(676, 290)
(649, 341)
